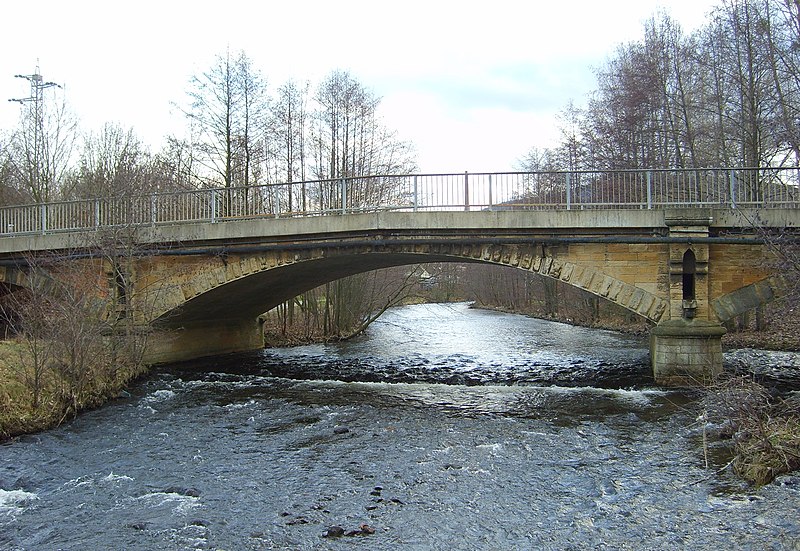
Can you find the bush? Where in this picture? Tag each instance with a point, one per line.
(765, 430)
(58, 395)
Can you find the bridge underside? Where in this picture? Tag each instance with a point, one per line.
(224, 317)
(247, 297)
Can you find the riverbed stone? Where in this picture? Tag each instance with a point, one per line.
(188, 492)
(333, 532)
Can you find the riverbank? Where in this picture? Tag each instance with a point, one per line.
(31, 403)
(780, 335)
(783, 336)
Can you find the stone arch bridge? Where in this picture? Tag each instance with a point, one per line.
(686, 271)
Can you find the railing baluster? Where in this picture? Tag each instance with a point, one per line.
(569, 190)
(466, 190)
(343, 187)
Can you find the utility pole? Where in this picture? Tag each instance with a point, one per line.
(35, 102)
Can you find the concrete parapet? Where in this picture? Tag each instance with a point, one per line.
(686, 352)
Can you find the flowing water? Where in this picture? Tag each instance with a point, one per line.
(441, 428)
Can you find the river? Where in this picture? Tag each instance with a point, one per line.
(442, 428)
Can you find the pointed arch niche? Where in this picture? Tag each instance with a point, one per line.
(688, 284)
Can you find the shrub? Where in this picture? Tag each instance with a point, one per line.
(765, 430)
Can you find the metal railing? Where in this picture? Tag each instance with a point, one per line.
(625, 189)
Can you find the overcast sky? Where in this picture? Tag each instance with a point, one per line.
(474, 85)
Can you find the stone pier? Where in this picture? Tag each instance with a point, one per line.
(198, 340)
(686, 348)
(686, 352)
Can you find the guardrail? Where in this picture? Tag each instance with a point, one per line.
(628, 189)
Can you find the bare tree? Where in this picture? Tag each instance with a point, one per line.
(10, 192)
(226, 106)
(349, 141)
(726, 95)
(288, 129)
(253, 110)
(338, 141)
(571, 154)
(782, 34)
(380, 290)
(114, 163)
(27, 312)
(56, 318)
(173, 167)
(40, 149)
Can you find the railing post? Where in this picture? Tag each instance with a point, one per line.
(792, 197)
(732, 184)
(343, 187)
(491, 203)
(97, 213)
(152, 210)
(466, 190)
(213, 203)
(416, 194)
(43, 213)
(649, 190)
(569, 190)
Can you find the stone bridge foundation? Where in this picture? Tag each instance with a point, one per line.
(686, 352)
(190, 342)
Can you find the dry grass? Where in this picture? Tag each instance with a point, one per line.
(765, 430)
(58, 400)
(776, 450)
(17, 415)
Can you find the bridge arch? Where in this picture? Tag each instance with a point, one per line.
(223, 288)
(749, 297)
(12, 277)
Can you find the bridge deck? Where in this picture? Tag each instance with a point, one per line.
(532, 225)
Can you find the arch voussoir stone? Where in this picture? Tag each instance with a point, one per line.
(554, 270)
(567, 271)
(749, 297)
(628, 296)
(525, 257)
